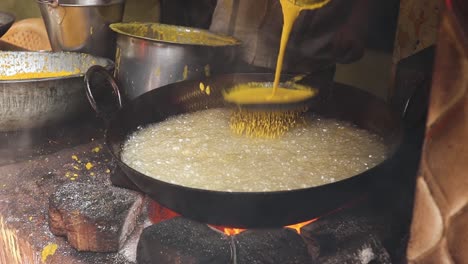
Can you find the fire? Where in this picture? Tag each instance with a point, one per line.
(232, 231)
(158, 213)
(235, 231)
(298, 227)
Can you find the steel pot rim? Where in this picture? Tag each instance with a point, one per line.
(230, 41)
(81, 3)
(109, 65)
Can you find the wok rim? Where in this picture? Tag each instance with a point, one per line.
(282, 192)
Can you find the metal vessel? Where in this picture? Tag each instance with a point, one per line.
(32, 103)
(6, 20)
(82, 25)
(146, 60)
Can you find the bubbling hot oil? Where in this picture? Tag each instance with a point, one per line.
(198, 150)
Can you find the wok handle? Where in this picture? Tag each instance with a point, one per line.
(97, 80)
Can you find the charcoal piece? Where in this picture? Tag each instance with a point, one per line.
(93, 217)
(350, 236)
(323, 236)
(360, 249)
(283, 246)
(181, 240)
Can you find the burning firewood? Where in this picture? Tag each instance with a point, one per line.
(93, 217)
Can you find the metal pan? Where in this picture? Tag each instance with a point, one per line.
(250, 209)
(39, 102)
(6, 20)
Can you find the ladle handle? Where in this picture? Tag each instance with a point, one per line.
(417, 105)
(98, 78)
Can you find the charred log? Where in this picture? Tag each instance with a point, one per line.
(94, 217)
(350, 236)
(361, 249)
(271, 246)
(180, 240)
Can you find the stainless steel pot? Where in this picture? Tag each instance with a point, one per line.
(152, 55)
(82, 25)
(6, 20)
(31, 103)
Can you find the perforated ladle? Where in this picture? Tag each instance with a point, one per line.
(264, 103)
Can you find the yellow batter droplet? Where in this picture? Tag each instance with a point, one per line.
(208, 90)
(48, 250)
(96, 149)
(202, 87)
(74, 157)
(157, 72)
(89, 165)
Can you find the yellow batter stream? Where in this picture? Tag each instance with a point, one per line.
(248, 94)
(290, 13)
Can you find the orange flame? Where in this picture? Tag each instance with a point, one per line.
(235, 231)
(297, 227)
(232, 231)
(158, 213)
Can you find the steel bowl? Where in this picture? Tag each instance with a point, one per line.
(6, 20)
(82, 25)
(32, 103)
(151, 55)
